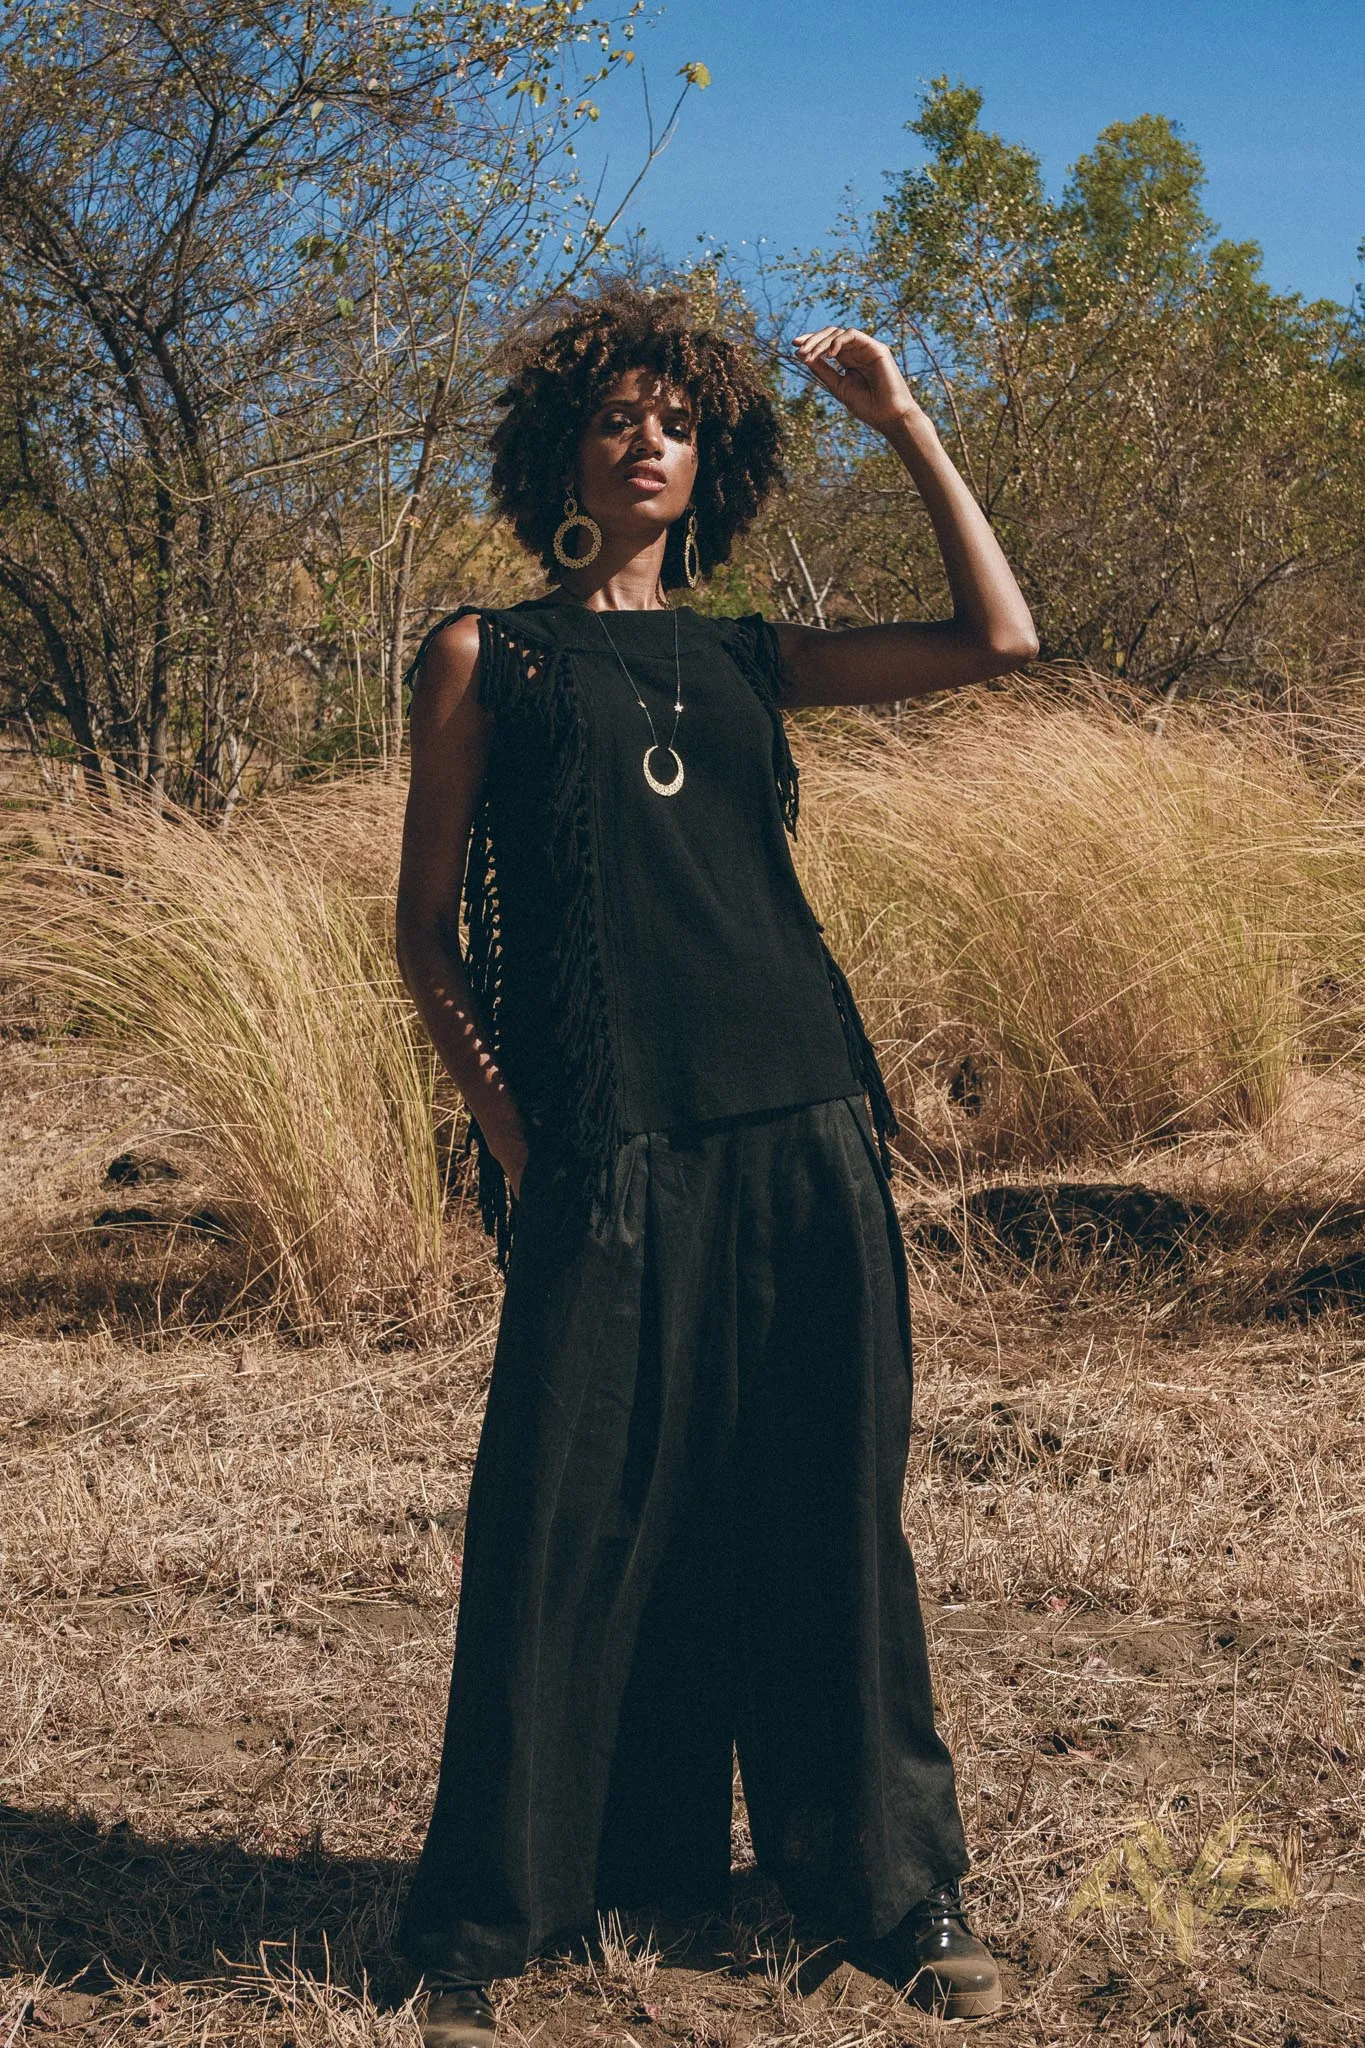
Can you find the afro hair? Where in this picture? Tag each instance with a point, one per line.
(559, 376)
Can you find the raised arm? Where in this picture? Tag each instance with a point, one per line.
(450, 735)
(990, 631)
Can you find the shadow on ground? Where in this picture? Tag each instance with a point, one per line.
(90, 1904)
(153, 1264)
(1290, 1259)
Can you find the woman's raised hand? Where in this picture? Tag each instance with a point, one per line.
(861, 372)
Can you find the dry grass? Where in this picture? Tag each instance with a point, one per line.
(1074, 940)
(255, 981)
(229, 1576)
(1073, 935)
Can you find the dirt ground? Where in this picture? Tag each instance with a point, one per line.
(230, 1570)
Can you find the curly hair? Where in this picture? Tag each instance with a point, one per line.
(559, 377)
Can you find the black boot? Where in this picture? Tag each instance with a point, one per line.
(458, 2015)
(933, 1956)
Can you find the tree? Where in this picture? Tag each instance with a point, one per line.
(1173, 453)
(254, 262)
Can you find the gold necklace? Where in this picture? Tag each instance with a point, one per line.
(672, 787)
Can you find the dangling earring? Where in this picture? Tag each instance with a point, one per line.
(573, 517)
(691, 558)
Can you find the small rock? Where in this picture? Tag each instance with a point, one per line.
(845, 1987)
(115, 1218)
(135, 1169)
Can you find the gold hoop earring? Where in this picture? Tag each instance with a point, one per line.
(691, 558)
(573, 517)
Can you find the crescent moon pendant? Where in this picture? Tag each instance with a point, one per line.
(664, 788)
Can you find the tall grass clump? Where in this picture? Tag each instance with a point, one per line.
(244, 972)
(1073, 934)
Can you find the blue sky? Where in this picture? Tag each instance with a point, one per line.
(808, 98)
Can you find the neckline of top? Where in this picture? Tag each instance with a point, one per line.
(531, 604)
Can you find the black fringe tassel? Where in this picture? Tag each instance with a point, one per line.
(864, 1056)
(755, 653)
(589, 1121)
(482, 951)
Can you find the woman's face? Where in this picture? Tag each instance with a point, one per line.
(637, 458)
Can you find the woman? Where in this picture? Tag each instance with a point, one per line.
(684, 1527)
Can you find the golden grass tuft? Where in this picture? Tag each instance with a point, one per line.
(1073, 934)
(262, 987)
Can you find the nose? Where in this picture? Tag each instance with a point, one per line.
(649, 436)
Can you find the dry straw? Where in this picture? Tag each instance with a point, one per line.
(1073, 934)
(262, 987)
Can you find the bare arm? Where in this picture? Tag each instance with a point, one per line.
(450, 736)
(990, 631)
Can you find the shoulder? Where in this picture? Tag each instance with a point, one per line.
(450, 650)
(446, 706)
(447, 652)
(756, 645)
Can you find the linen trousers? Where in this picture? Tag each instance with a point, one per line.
(684, 1539)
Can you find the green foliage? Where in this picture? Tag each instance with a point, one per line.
(255, 285)
(1133, 204)
(1173, 454)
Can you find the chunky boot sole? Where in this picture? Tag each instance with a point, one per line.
(936, 1962)
(453, 2020)
(949, 2002)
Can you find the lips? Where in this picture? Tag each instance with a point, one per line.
(646, 473)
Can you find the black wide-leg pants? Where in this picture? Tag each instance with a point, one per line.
(684, 1536)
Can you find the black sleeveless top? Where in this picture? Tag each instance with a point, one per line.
(643, 961)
